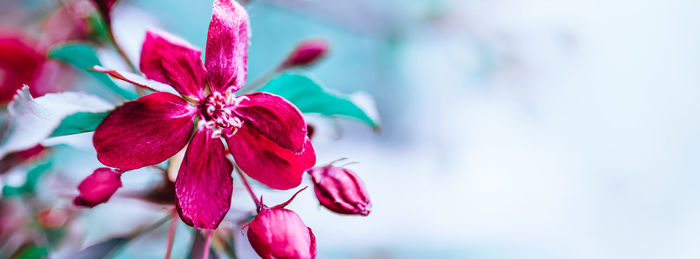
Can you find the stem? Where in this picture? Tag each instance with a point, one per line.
(143, 230)
(126, 59)
(247, 186)
(223, 243)
(159, 168)
(259, 82)
(171, 233)
(119, 48)
(207, 243)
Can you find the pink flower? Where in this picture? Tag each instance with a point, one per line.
(279, 233)
(20, 63)
(98, 187)
(265, 133)
(340, 190)
(23, 59)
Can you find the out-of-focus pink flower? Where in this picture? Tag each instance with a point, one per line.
(53, 217)
(279, 233)
(306, 53)
(23, 59)
(20, 63)
(265, 133)
(98, 187)
(340, 190)
(68, 23)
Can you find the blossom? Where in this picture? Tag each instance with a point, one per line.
(23, 58)
(265, 134)
(340, 190)
(20, 63)
(98, 187)
(279, 233)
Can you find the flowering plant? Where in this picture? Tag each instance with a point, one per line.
(204, 109)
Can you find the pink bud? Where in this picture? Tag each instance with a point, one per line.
(279, 233)
(340, 190)
(305, 53)
(98, 187)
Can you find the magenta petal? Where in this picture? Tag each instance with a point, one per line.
(171, 60)
(267, 162)
(275, 118)
(204, 184)
(144, 132)
(226, 56)
(98, 187)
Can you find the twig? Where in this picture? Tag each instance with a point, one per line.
(247, 186)
(171, 233)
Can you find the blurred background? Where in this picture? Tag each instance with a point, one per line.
(510, 128)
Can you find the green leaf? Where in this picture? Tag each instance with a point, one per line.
(310, 97)
(29, 185)
(79, 123)
(32, 252)
(84, 57)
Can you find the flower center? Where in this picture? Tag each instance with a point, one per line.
(216, 113)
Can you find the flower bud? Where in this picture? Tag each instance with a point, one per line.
(340, 190)
(307, 52)
(279, 233)
(98, 187)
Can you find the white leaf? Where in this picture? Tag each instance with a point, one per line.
(31, 120)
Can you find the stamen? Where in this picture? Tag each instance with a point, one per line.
(230, 134)
(210, 110)
(216, 133)
(201, 124)
(240, 99)
(237, 122)
(218, 113)
(230, 97)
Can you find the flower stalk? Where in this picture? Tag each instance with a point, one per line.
(247, 186)
(171, 233)
(207, 244)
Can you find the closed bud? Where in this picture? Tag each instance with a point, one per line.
(306, 53)
(279, 233)
(98, 187)
(340, 190)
